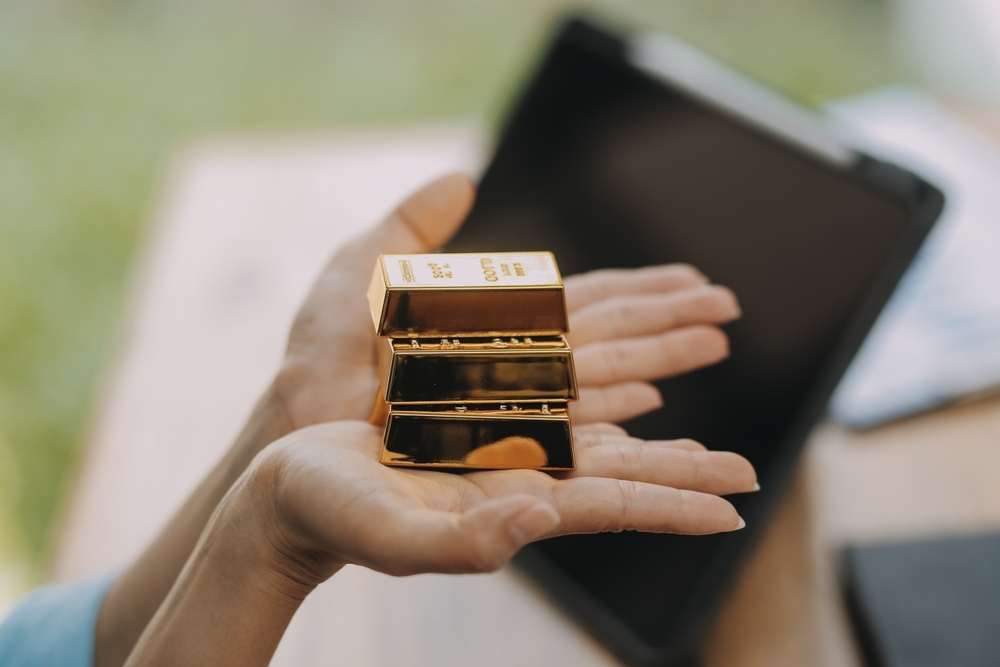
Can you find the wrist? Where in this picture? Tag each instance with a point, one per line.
(139, 592)
(285, 551)
(240, 582)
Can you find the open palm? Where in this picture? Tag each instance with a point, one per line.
(320, 498)
(336, 500)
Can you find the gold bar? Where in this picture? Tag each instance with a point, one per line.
(467, 294)
(457, 370)
(494, 437)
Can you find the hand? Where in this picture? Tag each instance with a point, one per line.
(337, 503)
(627, 326)
(318, 500)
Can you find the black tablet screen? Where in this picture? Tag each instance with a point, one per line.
(606, 167)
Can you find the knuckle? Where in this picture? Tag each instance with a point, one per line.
(620, 359)
(609, 356)
(616, 320)
(683, 505)
(627, 492)
(697, 469)
(630, 459)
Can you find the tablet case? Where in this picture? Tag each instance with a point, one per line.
(931, 603)
(612, 587)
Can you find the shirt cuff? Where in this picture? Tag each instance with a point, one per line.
(54, 625)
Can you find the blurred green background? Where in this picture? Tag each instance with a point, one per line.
(96, 94)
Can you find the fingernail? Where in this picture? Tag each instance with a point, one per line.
(756, 487)
(741, 525)
(534, 523)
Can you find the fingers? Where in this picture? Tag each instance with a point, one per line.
(587, 288)
(615, 403)
(431, 215)
(718, 473)
(589, 504)
(643, 314)
(482, 539)
(422, 223)
(650, 357)
(597, 505)
(584, 437)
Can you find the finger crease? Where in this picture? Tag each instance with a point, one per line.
(696, 483)
(626, 489)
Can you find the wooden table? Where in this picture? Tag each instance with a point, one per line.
(241, 230)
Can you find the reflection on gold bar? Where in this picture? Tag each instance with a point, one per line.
(455, 370)
(467, 294)
(493, 437)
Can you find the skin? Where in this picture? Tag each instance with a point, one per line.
(300, 493)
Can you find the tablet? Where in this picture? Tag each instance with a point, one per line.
(632, 150)
(926, 602)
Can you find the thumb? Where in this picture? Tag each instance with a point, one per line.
(480, 540)
(423, 222)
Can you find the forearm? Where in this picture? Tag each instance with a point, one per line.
(138, 593)
(238, 591)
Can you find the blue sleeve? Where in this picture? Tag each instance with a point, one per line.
(54, 625)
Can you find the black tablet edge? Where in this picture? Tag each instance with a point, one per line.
(699, 76)
(925, 203)
(683, 645)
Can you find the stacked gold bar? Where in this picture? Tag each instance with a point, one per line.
(479, 371)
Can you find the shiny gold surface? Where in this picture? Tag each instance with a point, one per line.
(475, 373)
(521, 368)
(456, 294)
(496, 436)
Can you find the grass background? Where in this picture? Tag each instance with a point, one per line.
(94, 96)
